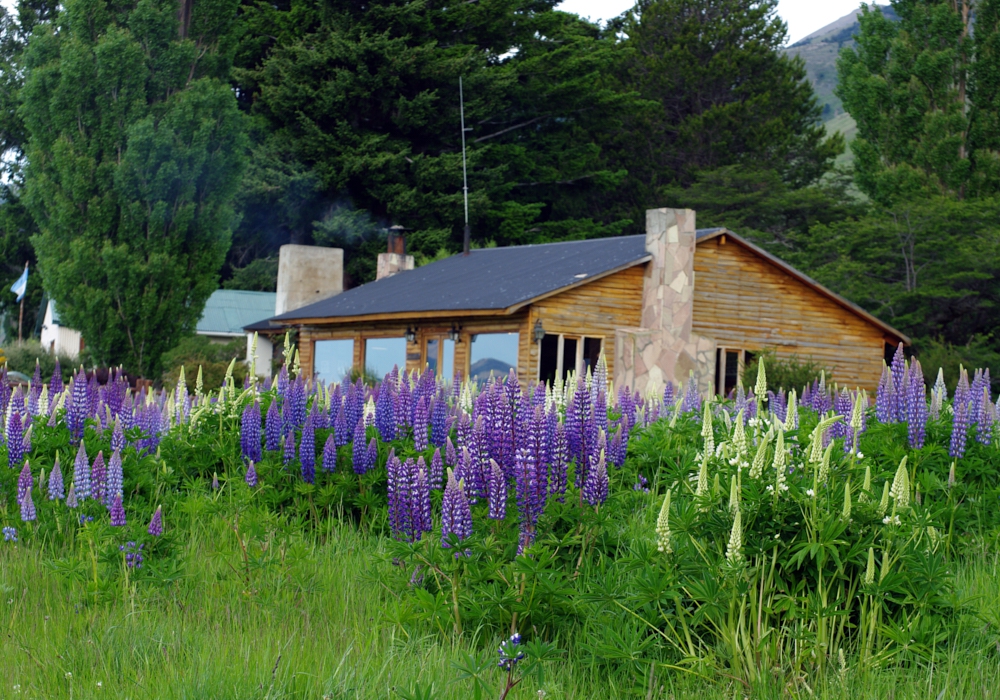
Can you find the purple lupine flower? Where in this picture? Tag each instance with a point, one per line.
(156, 523)
(117, 512)
(359, 452)
(9, 534)
(251, 475)
(81, 473)
(288, 454)
(558, 465)
(56, 382)
(883, 396)
(99, 479)
(116, 478)
(250, 430)
(984, 425)
(668, 395)
(456, 514)
(296, 402)
(530, 494)
(439, 420)
(595, 490)
(916, 406)
(616, 455)
(28, 508)
(76, 408)
(397, 495)
(403, 409)
(959, 430)
(371, 455)
(420, 425)
(15, 441)
(330, 455)
(385, 417)
(436, 474)
(56, 488)
(272, 428)
(898, 370)
(307, 452)
(692, 399)
(421, 506)
(118, 436)
(497, 492)
(450, 456)
(24, 482)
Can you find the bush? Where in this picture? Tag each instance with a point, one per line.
(21, 357)
(978, 352)
(784, 373)
(198, 351)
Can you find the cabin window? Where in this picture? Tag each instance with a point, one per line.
(439, 356)
(382, 354)
(334, 360)
(492, 353)
(562, 355)
(729, 364)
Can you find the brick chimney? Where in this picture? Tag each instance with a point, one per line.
(395, 258)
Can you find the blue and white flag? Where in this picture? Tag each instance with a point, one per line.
(21, 286)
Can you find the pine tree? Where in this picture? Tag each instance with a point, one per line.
(135, 151)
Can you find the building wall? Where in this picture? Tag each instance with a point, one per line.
(594, 309)
(744, 302)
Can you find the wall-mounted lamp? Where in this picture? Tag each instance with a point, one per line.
(453, 334)
(411, 335)
(538, 332)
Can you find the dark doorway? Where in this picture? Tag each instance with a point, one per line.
(591, 353)
(569, 357)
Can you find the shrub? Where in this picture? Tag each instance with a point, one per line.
(783, 373)
(977, 352)
(21, 357)
(198, 351)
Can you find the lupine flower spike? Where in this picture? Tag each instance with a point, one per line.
(456, 515)
(900, 491)
(251, 476)
(156, 524)
(734, 550)
(56, 489)
(663, 527)
(117, 512)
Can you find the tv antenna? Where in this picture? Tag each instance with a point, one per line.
(465, 173)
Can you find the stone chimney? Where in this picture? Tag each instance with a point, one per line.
(664, 348)
(395, 258)
(306, 274)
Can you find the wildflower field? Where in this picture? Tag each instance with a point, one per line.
(428, 539)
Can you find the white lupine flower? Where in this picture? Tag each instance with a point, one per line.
(702, 489)
(900, 491)
(706, 428)
(810, 493)
(779, 464)
(824, 465)
(760, 388)
(758, 461)
(734, 494)
(663, 527)
(792, 415)
(734, 554)
(846, 513)
(740, 436)
(870, 570)
(883, 505)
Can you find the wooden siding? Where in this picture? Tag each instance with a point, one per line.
(594, 310)
(745, 302)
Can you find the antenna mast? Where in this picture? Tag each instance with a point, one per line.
(465, 175)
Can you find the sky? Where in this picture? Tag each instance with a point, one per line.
(803, 16)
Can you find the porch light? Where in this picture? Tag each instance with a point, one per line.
(538, 332)
(453, 334)
(411, 335)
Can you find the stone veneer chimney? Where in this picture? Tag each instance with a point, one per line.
(664, 348)
(306, 274)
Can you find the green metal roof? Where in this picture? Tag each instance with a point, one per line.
(228, 310)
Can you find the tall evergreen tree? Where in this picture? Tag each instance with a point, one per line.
(925, 92)
(135, 152)
(721, 93)
(367, 98)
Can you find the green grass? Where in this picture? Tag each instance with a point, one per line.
(308, 617)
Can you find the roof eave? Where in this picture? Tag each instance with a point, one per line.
(810, 282)
(394, 316)
(587, 280)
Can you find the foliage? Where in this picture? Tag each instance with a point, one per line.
(927, 266)
(197, 351)
(784, 373)
(724, 95)
(368, 100)
(925, 93)
(22, 357)
(134, 154)
(260, 275)
(978, 351)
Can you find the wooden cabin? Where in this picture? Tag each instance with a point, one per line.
(660, 306)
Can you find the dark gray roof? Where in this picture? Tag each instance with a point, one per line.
(486, 279)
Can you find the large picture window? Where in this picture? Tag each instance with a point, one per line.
(382, 354)
(562, 355)
(494, 353)
(334, 360)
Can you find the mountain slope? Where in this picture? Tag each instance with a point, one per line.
(819, 51)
